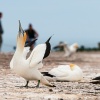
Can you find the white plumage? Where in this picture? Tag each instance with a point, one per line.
(28, 68)
(25, 52)
(69, 50)
(66, 73)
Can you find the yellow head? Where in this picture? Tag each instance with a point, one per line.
(76, 46)
(72, 66)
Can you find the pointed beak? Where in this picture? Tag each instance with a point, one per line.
(20, 29)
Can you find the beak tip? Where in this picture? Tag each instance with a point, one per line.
(20, 28)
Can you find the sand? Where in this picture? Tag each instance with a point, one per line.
(10, 82)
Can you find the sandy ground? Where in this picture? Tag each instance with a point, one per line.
(89, 62)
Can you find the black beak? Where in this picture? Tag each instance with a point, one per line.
(20, 29)
(30, 43)
(49, 39)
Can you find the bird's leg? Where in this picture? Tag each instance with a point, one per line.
(26, 84)
(38, 83)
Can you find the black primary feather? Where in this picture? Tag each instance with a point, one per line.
(48, 48)
(95, 82)
(30, 43)
(47, 74)
(96, 78)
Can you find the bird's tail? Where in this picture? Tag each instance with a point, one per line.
(46, 82)
(47, 74)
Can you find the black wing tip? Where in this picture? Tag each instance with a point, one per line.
(95, 82)
(96, 78)
(30, 43)
(49, 39)
(47, 74)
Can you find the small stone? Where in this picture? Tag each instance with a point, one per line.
(50, 90)
(61, 99)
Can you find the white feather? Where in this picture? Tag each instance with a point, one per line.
(69, 50)
(25, 52)
(37, 55)
(65, 73)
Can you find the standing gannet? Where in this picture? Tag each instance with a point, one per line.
(25, 51)
(69, 50)
(28, 68)
(69, 72)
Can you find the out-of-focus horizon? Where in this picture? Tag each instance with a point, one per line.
(69, 20)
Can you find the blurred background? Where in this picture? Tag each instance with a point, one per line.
(69, 20)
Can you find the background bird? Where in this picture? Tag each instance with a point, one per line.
(69, 50)
(69, 72)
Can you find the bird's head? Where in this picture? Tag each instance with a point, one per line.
(21, 37)
(75, 45)
(72, 66)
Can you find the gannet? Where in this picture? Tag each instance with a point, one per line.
(25, 51)
(69, 50)
(28, 68)
(69, 72)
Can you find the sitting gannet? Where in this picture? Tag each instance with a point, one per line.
(69, 50)
(65, 73)
(28, 68)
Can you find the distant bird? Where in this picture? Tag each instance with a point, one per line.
(69, 50)
(28, 68)
(69, 72)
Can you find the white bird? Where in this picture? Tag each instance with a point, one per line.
(69, 72)
(28, 68)
(25, 51)
(69, 50)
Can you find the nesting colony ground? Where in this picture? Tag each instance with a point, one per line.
(89, 62)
